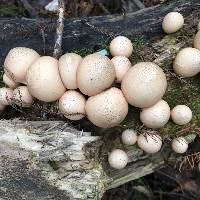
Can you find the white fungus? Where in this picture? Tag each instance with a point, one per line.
(129, 137)
(179, 145)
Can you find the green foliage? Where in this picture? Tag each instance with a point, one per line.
(10, 10)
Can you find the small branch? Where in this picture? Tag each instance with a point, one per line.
(31, 11)
(59, 30)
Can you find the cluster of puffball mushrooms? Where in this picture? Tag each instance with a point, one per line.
(83, 87)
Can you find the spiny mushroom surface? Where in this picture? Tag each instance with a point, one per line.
(17, 62)
(144, 84)
(118, 159)
(187, 62)
(179, 145)
(94, 74)
(156, 116)
(43, 79)
(129, 137)
(172, 22)
(107, 109)
(9, 82)
(68, 64)
(72, 105)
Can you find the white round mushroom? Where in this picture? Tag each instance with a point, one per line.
(197, 40)
(144, 84)
(179, 145)
(107, 109)
(181, 114)
(118, 159)
(187, 62)
(72, 105)
(156, 116)
(43, 79)
(68, 64)
(9, 82)
(150, 143)
(129, 137)
(122, 64)
(17, 62)
(95, 74)
(6, 96)
(121, 46)
(22, 97)
(172, 22)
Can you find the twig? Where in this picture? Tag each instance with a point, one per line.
(31, 11)
(59, 30)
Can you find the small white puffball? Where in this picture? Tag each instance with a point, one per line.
(122, 64)
(121, 46)
(22, 97)
(156, 116)
(181, 114)
(129, 137)
(6, 95)
(198, 26)
(197, 40)
(150, 143)
(72, 105)
(9, 82)
(118, 159)
(179, 145)
(187, 62)
(172, 22)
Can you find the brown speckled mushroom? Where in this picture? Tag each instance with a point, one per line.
(72, 105)
(68, 64)
(95, 74)
(156, 116)
(122, 64)
(6, 95)
(121, 46)
(107, 109)
(17, 62)
(43, 79)
(129, 137)
(144, 84)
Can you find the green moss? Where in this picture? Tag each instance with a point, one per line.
(83, 52)
(10, 10)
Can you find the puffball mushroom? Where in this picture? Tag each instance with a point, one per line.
(17, 62)
(156, 116)
(150, 143)
(122, 65)
(121, 46)
(172, 22)
(22, 97)
(181, 114)
(6, 95)
(95, 74)
(118, 159)
(9, 82)
(179, 145)
(129, 137)
(107, 109)
(197, 40)
(187, 62)
(144, 84)
(72, 105)
(198, 26)
(68, 64)
(43, 79)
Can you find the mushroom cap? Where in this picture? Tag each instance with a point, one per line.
(6, 95)
(107, 109)
(156, 116)
(187, 62)
(95, 74)
(197, 40)
(179, 145)
(118, 159)
(68, 64)
(9, 82)
(198, 26)
(150, 143)
(22, 97)
(17, 62)
(121, 46)
(43, 79)
(144, 84)
(122, 64)
(181, 114)
(72, 105)
(172, 22)
(129, 137)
